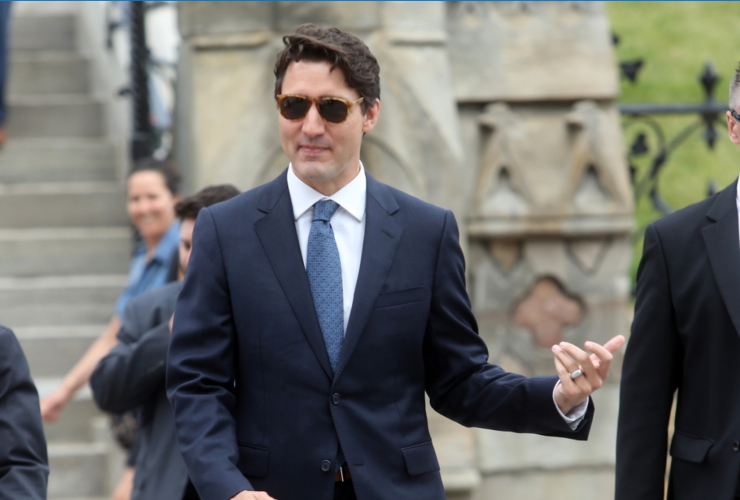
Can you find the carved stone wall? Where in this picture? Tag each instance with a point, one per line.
(501, 111)
(549, 218)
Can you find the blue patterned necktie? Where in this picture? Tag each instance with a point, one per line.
(325, 277)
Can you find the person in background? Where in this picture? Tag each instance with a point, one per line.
(152, 192)
(685, 346)
(132, 374)
(24, 464)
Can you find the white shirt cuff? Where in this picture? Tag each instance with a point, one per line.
(575, 415)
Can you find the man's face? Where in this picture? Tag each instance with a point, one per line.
(186, 244)
(326, 156)
(733, 126)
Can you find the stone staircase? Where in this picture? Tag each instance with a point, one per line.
(64, 236)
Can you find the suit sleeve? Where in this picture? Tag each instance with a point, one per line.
(133, 370)
(461, 384)
(23, 459)
(649, 379)
(201, 370)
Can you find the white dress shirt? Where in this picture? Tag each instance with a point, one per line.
(737, 203)
(348, 223)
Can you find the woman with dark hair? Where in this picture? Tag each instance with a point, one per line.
(152, 193)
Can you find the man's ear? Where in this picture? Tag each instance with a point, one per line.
(733, 128)
(371, 117)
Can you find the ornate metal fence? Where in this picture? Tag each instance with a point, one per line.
(146, 139)
(640, 124)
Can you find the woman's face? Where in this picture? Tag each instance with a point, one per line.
(151, 206)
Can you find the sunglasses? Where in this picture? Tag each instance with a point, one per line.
(735, 114)
(331, 109)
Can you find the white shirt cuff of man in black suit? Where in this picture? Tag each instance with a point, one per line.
(575, 415)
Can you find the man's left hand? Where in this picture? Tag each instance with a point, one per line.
(595, 369)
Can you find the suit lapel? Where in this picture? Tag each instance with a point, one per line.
(382, 236)
(277, 234)
(723, 246)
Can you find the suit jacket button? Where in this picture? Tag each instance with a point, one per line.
(335, 398)
(326, 466)
(736, 446)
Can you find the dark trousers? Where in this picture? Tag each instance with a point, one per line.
(344, 491)
(190, 492)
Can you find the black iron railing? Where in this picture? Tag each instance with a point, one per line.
(708, 116)
(146, 139)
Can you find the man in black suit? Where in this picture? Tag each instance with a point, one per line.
(320, 307)
(132, 375)
(24, 465)
(686, 340)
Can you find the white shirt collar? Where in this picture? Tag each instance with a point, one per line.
(351, 197)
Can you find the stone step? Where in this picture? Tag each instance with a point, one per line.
(58, 301)
(77, 469)
(64, 251)
(75, 422)
(56, 72)
(52, 350)
(43, 32)
(57, 160)
(83, 204)
(55, 115)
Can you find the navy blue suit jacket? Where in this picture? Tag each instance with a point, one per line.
(256, 403)
(24, 463)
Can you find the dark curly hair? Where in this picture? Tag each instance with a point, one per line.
(190, 207)
(339, 48)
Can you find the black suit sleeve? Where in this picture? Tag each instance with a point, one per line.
(133, 370)
(461, 384)
(650, 377)
(23, 458)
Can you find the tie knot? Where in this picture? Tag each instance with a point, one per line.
(324, 209)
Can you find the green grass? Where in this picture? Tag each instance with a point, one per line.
(675, 39)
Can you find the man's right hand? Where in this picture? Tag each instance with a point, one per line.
(252, 495)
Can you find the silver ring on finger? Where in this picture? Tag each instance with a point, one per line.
(576, 374)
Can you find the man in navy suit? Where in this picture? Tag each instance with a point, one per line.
(24, 463)
(320, 307)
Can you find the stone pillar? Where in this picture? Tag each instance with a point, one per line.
(549, 218)
(500, 111)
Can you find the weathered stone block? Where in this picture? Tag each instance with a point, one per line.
(531, 51)
(501, 280)
(351, 16)
(205, 18)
